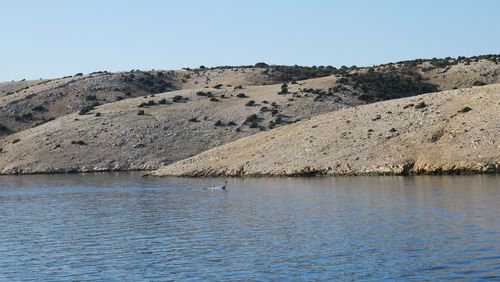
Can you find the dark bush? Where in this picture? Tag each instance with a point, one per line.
(420, 105)
(465, 110)
(193, 120)
(478, 83)
(162, 101)
(15, 141)
(253, 125)
(261, 65)
(78, 74)
(177, 98)
(213, 99)
(251, 118)
(98, 114)
(119, 98)
(241, 95)
(231, 123)
(250, 103)
(284, 88)
(140, 113)
(218, 86)
(39, 108)
(218, 123)
(79, 142)
(91, 98)
(3, 129)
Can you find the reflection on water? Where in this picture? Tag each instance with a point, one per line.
(125, 227)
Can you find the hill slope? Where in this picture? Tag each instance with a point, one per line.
(447, 132)
(25, 104)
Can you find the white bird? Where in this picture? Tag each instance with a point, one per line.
(218, 188)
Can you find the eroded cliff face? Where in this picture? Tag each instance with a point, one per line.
(449, 132)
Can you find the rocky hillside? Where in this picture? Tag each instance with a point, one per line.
(447, 132)
(25, 104)
(146, 119)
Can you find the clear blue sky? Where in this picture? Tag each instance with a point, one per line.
(43, 39)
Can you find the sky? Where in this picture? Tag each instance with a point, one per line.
(54, 38)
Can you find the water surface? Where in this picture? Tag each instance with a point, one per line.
(116, 227)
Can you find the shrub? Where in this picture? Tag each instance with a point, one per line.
(213, 99)
(218, 86)
(284, 88)
(253, 125)
(119, 98)
(91, 98)
(79, 142)
(465, 110)
(264, 109)
(241, 95)
(218, 123)
(98, 114)
(162, 101)
(140, 113)
(265, 102)
(39, 108)
(193, 120)
(251, 118)
(207, 94)
(478, 83)
(250, 103)
(15, 141)
(3, 128)
(177, 98)
(231, 123)
(420, 105)
(261, 65)
(78, 74)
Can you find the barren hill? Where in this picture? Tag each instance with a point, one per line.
(92, 122)
(454, 131)
(146, 132)
(25, 104)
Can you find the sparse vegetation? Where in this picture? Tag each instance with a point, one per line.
(15, 141)
(218, 123)
(478, 83)
(140, 113)
(241, 95)
(250, 103)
